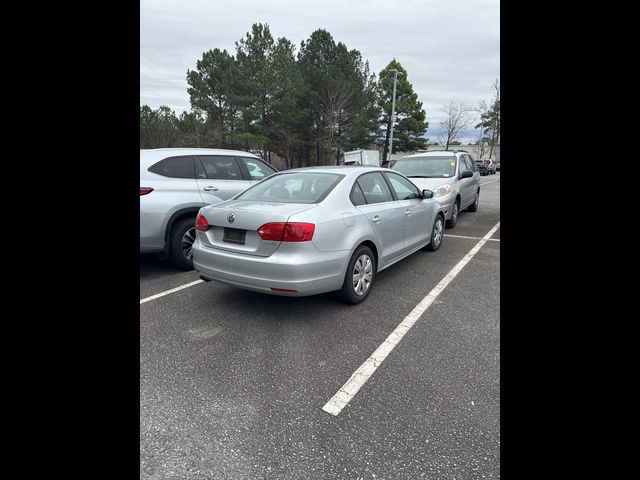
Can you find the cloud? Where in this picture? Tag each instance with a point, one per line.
(451, 50)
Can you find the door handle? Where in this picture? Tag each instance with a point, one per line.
(407, 212)
(376, 219)
(211, 189)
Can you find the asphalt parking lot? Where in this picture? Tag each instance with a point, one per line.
(233, 383)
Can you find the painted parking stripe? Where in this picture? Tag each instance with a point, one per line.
(167, 292)
(346, 393)
(471, 238)
(486, 183)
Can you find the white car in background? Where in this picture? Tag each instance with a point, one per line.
(452, 175)
(176, 182)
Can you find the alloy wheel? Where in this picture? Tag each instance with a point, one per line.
(437, 232)
(187, 243)
(362, 275)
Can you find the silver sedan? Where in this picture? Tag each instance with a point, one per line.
(314, 230)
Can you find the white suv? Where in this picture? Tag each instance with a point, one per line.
(176, 182)
(452, 175)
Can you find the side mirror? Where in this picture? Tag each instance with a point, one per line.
(427, 193)
(466, 174)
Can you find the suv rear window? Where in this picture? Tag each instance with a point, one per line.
(174, 167)
(257, 169)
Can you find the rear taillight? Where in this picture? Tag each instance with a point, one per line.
(145, 190)
(298, 232)
(272, 231)
(287, 231)
(201, 223)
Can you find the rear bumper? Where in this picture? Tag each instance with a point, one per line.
(300, 267)
(151, 234)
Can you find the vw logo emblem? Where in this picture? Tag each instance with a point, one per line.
(231, 218)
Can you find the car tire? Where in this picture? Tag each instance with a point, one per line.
(451, 223)
(437, 233)
(474, 206)
(179, 254)
(362, 265)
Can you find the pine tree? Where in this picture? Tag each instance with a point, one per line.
(411, 122)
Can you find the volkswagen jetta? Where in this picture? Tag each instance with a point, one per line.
(313, 230)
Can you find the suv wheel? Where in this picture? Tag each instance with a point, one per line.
(454, 215)
(181, 239)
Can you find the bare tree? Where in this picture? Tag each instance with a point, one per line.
(334, 105)
(483, 141)
(457, 118)
(496, 115)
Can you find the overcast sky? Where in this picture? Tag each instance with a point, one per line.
(450, 48)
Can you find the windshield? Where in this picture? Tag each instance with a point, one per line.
(300, 187)
(427, 167)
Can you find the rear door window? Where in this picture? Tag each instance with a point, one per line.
(219, 167)
(357, 197)
(374, 188)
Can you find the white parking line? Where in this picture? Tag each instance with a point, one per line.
(486, 183)
(346, 393)
(471, 238)
(167, 292)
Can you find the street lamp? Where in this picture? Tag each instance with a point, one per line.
(393, 113)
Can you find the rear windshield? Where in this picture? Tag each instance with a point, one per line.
(301, 187)
(427, 167)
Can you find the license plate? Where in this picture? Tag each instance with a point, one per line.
(234, 235)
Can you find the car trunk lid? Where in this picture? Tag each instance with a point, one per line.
(234, 225)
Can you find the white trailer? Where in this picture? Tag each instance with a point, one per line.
(362, 157)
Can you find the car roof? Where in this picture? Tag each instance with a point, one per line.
(433, 153)
(340, 169)
(148, 156)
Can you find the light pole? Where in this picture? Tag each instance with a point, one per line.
(393, 115)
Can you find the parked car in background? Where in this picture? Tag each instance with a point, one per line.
(452, 175)
(492, 167)
(498, 165)
(176, 182)
(483, 167)
(312, 230)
